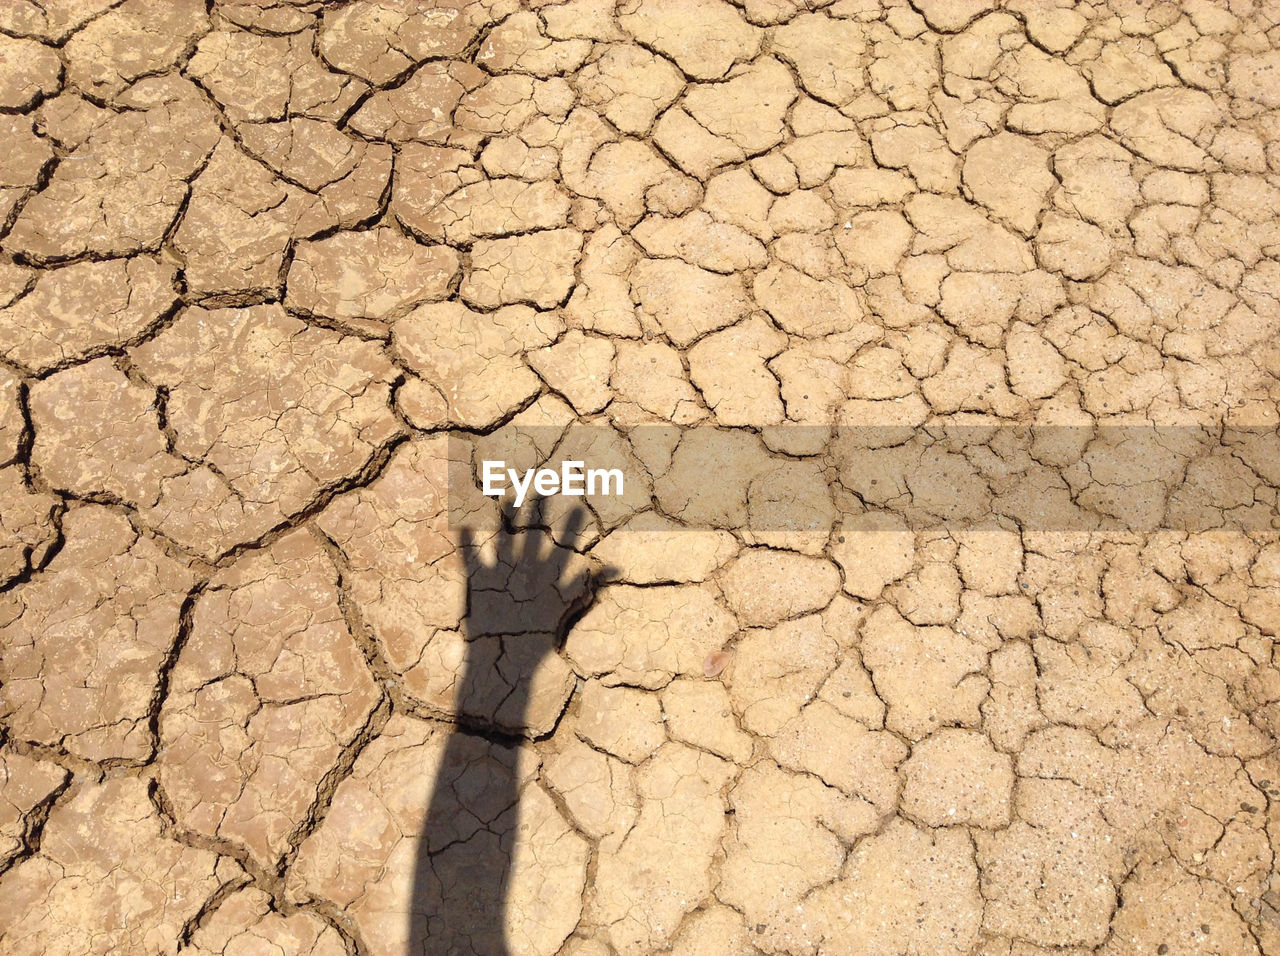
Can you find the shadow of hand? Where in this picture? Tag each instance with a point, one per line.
(524, 582)
(524, 589)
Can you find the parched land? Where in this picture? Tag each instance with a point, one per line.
(827, 678)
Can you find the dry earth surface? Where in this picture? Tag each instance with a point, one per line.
(267, 264)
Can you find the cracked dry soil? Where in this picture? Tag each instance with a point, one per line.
(268, 264)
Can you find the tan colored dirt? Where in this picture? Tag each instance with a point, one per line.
(273, 271)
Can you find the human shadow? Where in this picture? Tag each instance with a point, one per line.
(523, 592)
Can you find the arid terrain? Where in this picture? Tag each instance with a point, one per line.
(939, 339)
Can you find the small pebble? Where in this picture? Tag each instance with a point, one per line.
(716, 662)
